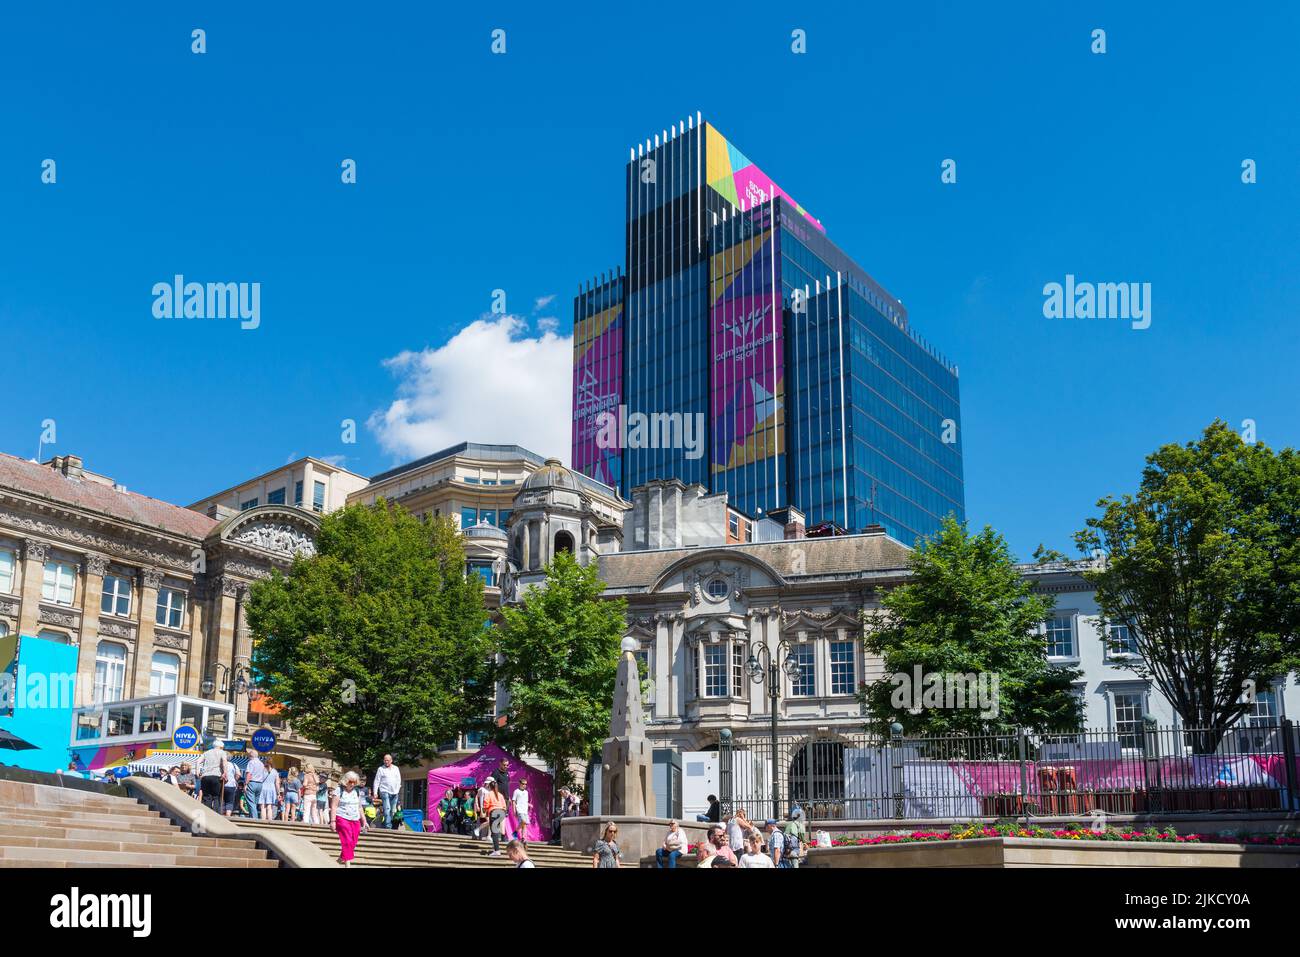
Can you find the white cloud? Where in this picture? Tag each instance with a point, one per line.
(541, 302)
(491, 382)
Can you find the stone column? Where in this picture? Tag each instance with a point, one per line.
(33, 575)
(225, 615)
(681, 672)
(757, 627)
(150, 582)
(663, 659)
(194, 661)
(91, 596)
(243, 651)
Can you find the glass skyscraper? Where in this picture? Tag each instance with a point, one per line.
(735, 310)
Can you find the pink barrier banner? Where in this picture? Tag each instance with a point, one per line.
(1200, 771)
(480, 766)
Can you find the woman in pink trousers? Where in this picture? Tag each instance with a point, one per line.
(348, 817)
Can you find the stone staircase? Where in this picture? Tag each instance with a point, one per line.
(49, 826)
(383, 848)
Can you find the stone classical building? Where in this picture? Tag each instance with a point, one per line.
(698, 610)
(152, 595)
(309, 483)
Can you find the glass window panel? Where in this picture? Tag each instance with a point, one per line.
(110, 672)
(805, 684)
(121, 721)
(6, 572)
(1060, 637)
(843, 670)
(153, 717)
(715, 670)
(1128, 718)
(163, 674)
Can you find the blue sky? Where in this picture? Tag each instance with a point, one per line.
(479, 172)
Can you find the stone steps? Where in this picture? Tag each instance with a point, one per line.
(125, 841)
(154, 822)
(66, 857)
(49, 826)
(16, 831)
(383, 848)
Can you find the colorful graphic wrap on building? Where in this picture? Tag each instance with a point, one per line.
(597, 388)
(748, 380)
(8, 673)
(733, 177)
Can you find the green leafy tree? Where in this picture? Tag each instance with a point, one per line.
(378, 643)
(559, 660)
(966, 610)
(1203, 565)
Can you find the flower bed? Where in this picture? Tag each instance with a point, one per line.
(1070, 832)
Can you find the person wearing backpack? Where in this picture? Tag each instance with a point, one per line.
(796, 840)
(775, 844)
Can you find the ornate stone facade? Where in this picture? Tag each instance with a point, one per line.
(95, 566)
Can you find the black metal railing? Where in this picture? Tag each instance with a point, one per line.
(1130, 770)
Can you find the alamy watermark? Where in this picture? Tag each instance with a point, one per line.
(179, 299)
(37, 689)
(945, 690)
(1102, 300)
(654, 430)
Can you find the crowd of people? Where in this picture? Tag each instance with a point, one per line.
(736, 842)
(260, 792)
(490, 809)
(484, 811)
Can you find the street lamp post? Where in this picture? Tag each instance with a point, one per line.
(764, 666)
(241, 681)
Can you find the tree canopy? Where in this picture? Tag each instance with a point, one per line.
(378, 643)
(558, 656)
(1203, 565)
(966, 610)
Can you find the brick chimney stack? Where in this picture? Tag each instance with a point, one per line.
(69, 465)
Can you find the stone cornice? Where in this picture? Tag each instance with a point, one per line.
(70, 529)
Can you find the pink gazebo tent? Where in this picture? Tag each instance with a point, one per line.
(480, 766)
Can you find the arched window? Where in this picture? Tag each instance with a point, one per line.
(164, 673)
(817, 778)
(58, 637)
(4, 628)
(563, 542)
(110, 672)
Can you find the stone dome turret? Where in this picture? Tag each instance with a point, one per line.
(552, 475)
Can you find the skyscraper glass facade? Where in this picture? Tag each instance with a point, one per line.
(735, 309)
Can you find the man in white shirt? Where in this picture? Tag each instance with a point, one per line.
(388, 785)
(520, 800)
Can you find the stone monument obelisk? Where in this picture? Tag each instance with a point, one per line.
(627, 782)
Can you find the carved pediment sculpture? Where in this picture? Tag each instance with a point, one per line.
(278, 537)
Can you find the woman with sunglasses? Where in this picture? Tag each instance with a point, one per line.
(605, 852)
(349, 821)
